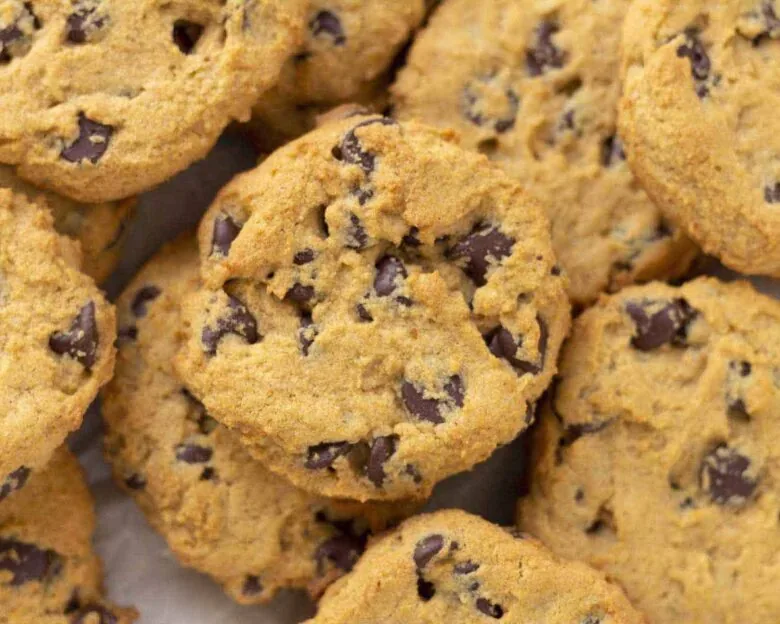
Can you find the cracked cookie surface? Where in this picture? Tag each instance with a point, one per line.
(103, 99)
(534, 86)
(56, 339)
(381, 307)
(658, 462)
(450, 566)
(699, 116)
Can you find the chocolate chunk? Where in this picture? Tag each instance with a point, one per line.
(426, 549)
(305, 256)
(135, 482)
(430, 409)
(488, 608)
(612, 151)
(252, 586)
(145, 295)
(193, 453)
(14, 41)
(89, 613)
(484, 247)
(238, 321)
(299, 293)
(364, 316)
(186, 35)
(466, 567)
(82, 23)
(544, 55)
(669, 325)
(14, 481)
(382, 449)
(323, 455)
(226, 230)
(693, 49)
(356, 235)
(389, 271)
(81, 341)
(504, 346)
(724, 476)
(92, 142)
(327, 23)
(343, 551)
(473, 106)
(307, 333)
(772, 193)
(411, 239)
(425, 589)
(27, 563)
(414, 473)
(351, 151)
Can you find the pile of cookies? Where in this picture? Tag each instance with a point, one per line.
(387, 298)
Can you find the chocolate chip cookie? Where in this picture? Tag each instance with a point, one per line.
(56, 339)
(48, 570)
(534, 86)
(102, 99)
(99, 228)
(219, 509)
(657, 461)
(381, 309)
(347, 51)
(453, 567)
(699, 117)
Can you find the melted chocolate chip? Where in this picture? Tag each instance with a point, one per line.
(226, 230)
(305, 256)
(612, 151)
(82, 23)
(490, 609)
(135, 482)
(80, 341)
(27, 563)
(426, 549)
(544, 55)
(299, 293)
(484, 247)
(389, 271)
(92, 142)
(307, 333)
(327, 23)
(425, 589)
(382, 449)
(186, 35)
(238, 321)
(430, 409)
(504, 346)
(772, 193)
(724, 476)
(209, 474)
(411, 239)
(88, 613)
(351, 151)
(252, 586)
(473, 106)
(693, 49)
(13, 39)
(323, 455)
(14, 481)
(145, 295)
(669, 325)
(466, 567)
(356, 235)
(193, 454)
(342, 551)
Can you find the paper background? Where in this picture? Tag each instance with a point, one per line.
(140, 571)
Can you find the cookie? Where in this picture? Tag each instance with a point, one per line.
(56, 339)
(699, 117)
(49, 573)
(94, 111)
(220, 510)
(349, 46)
(453, 567)
(99, 228)
(380, 308)
(534, 86)
(658, 461)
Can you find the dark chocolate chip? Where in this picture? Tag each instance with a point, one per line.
(208, 474)
(693, 49)
(252, 586)
(544, 55)
(425, 589)
(389, 271)
(351, 151)
(145, 295)
(342, 551)
(612, 151)
(724, 476)
(186, 35)
(426, 549)
(307, 333)
(135, 482)
(772, 193)
(80, 341)
(193, 453)
(742, 367)
(430, 409)
(364, 316)
(125, 335)
(13, 40)
(226, 230)
(27, 563)
(484, 247)
(327, 23)
(305, 256)
(504, 346)
(92, 142)
(490, 609)
(411, 239)
(299, 293)
(669, 325)
(82, 23)
(323, 455)
(14, 481)
(473, 104)
(356, 235)
(382, 449)
(238, 321)
(414, 473)
(466, 567)
(88, 613)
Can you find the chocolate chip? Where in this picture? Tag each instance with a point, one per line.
(430, 409)
(82, 23)
(14, 41)
(544, 55)
(252, 586)
(226, 230)
(411, 239)
(724, 476)
(693, 49)
(414, 473)
(193, 454)
(88, 613)
(299, 293)
(14, 481)
(307, 333)
(484, 247)
(145, 295)
(772, 193)
(382, 449)
(126, 334)
(612, 151)
(426, 549)
(473, 104)
(742, 367)
(351, 151)
(389, 271)
(504, 346)
(238, 321)
(466, 567)
(488, 608)
(135, 482)
(27, 562)
(305, 256)
(323, 455)
(92, 142)
(328, 23)
(80, 341)
(208, 474)
(669, 325)
(364, 316)
(425, 589)
(186, 35)
(343, 551)
(356, 235)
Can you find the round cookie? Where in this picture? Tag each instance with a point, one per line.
(94, 111)
(453, 567)
(99, 228)
(381, 308)
(699, 117)
(56, 339)
(49, 573)
(658, 462)
(534, 86)
(220, 510)
(348, 48)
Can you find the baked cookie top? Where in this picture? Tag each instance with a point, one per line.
(220, 510)
(380, 309)
(658, 461)
(453, 567)
(699, 116)
(535, 86)
(96, 112)
(56, 339)
(49, 573)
